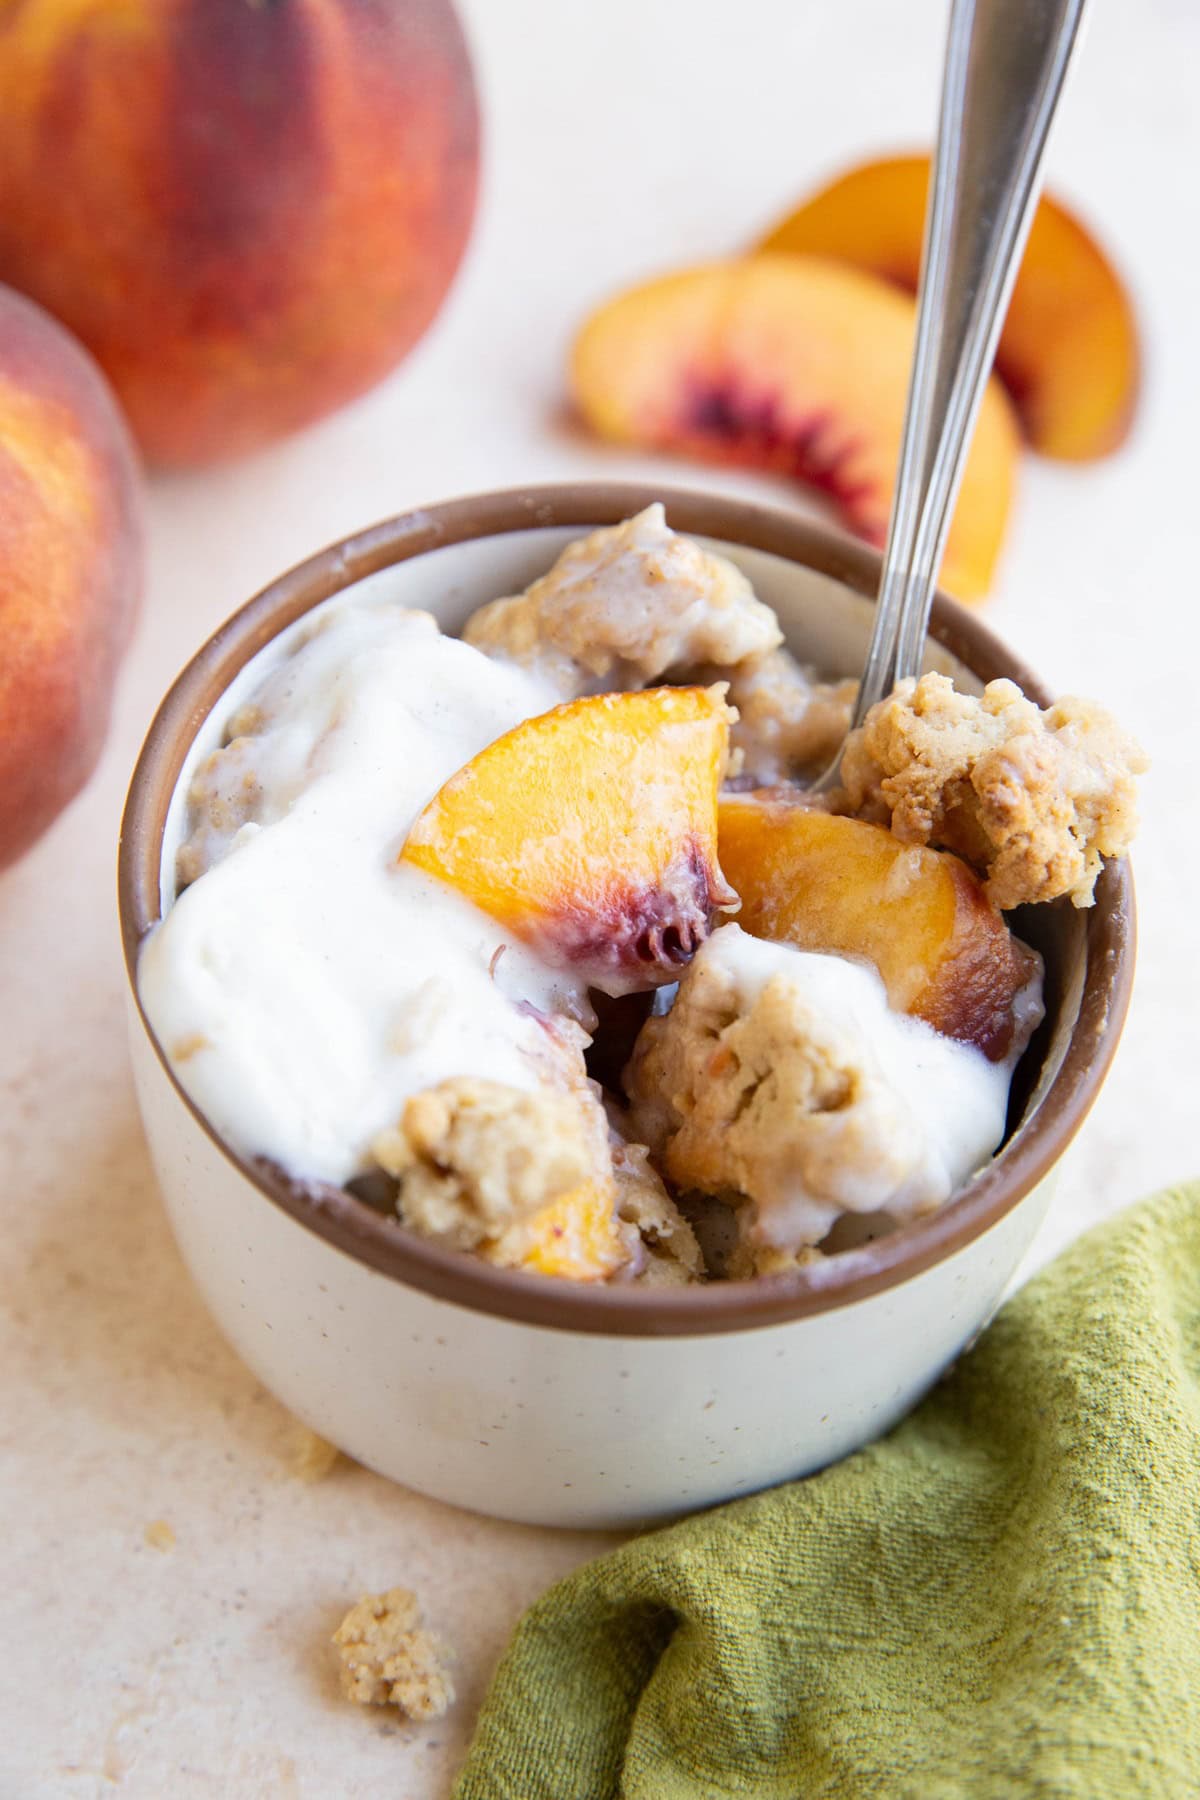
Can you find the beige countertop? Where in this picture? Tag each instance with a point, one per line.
(621, 140)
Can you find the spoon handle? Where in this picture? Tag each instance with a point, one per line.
(1005, 64)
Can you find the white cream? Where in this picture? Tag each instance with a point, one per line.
(306, 984)
(934, 1109)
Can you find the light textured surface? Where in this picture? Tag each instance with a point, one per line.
(622, 139)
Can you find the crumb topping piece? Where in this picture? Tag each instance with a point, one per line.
(748, 1090)
(475, 1158)
(226, 793)
(388, 1660)
(751, 1259)
(790, 724)
(669, 1252)
(1033, 800)
(623, 606)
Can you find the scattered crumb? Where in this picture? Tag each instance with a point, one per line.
(1033, 800)
(159, 1536)
(313, 1457)
(387, 1659)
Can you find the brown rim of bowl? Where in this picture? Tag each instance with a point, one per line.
(384, 1245)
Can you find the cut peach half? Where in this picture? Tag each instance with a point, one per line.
(591, 832)
(1069, 352)
(795, 365)
(576, 1237)
(827, 883)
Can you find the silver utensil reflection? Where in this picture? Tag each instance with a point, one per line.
(1005, 65)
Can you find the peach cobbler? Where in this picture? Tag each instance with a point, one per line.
(534, 939)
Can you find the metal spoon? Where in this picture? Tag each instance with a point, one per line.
(1005, 65)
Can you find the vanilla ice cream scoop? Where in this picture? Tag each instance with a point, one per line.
(782, 1077)
(306, 985)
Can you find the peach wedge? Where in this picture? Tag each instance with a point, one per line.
(1069, 352)
(795, 365)
(591, 832)
(822, 882)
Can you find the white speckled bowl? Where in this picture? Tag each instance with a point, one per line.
(541, 1400)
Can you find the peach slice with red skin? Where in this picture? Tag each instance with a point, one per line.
(1069, 352)
(591, 832)
(794, 365)
(823, 882)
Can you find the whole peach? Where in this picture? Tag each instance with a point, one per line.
(70, 566)
(249, 210)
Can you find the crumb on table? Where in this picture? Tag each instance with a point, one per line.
(389, 1660)
(159, 1535)
(313, 1456)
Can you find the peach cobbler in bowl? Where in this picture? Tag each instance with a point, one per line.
(534, 939)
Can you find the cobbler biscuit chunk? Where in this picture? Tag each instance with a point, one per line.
(387, 1659)
(750, 1089)
(1034, 800)
(750, 1259)
(625, 605)
(668, 1254)
(789, 723)
(237, 784)
(278, 743)
(226, 793)
(475, 1158)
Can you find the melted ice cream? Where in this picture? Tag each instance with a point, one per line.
(307, 984)
(784, 1076)
(937, 1104)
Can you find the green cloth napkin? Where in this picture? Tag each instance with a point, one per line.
(1000, 1598)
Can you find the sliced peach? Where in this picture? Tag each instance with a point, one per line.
(822, 882)
(791, 364)
(576, 1237)
(1069, 352)
(591, 832)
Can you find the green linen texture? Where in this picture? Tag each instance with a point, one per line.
(1000, 1598)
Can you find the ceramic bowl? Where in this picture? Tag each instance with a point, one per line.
(541, 1400)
